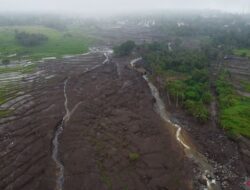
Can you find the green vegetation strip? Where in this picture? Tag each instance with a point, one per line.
(3, 95)
(6, 93)
(22, 69)
(4, 113)
(234, 109)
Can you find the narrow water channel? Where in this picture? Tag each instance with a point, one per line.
(55, 155)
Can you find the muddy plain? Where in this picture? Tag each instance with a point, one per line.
(89, 122)
(86, 122)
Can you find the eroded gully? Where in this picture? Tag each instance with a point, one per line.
(59, 130)
(201, 160)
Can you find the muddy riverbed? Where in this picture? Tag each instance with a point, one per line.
(92, 125)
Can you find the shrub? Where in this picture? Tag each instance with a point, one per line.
(133, 156)
(243, 54)
(197, 109)
(207, 97)
(6, 61)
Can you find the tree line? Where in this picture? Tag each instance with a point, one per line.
(191, 91)
(30, 39)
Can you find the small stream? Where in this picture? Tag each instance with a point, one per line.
(55, 156)
(197, 157)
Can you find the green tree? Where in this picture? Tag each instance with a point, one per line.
(124, 49)
(243, 54)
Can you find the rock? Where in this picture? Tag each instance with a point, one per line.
(224, 184)
(202, 181)
(153, 100)
(209, 176)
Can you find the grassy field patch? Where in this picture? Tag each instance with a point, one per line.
(242, 52)
(234, 112)
(236, 118)
(59, 42)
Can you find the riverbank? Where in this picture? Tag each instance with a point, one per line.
(210, 140)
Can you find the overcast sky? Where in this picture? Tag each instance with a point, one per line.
(108, 6)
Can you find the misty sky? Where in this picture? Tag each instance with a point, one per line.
(116, 6)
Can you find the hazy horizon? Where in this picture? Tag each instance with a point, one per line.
(96, 7)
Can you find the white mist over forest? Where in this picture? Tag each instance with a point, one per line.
(96, 7)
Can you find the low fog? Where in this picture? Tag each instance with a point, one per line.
(120, 6)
